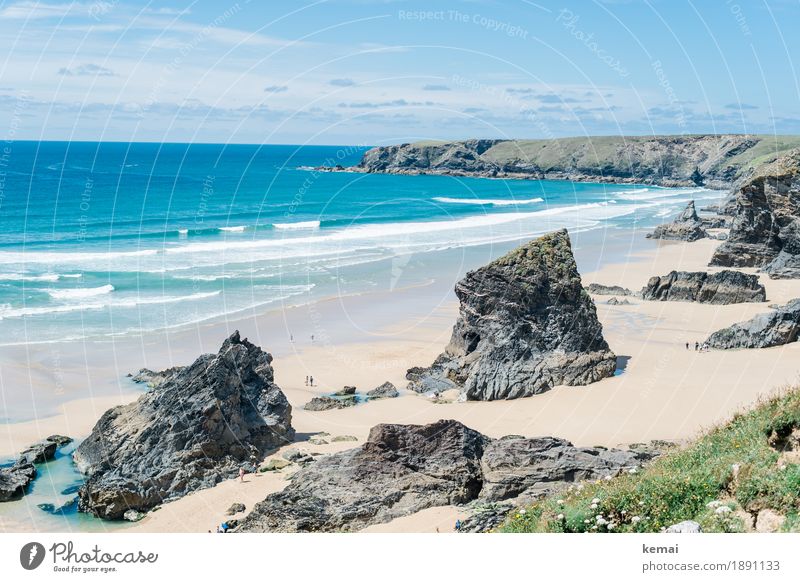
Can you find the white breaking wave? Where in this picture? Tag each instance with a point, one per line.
(233, 228)
(79, 293)
(8, 312)
(642, 194)
(47, 277)
(296, 225)
(487, 201)
(56, 257)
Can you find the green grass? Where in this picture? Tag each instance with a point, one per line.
(689, 484)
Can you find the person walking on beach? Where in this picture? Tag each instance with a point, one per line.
(696, 346)
(687, 345)
(241, 474)
(306, 380)
(311, 380)
(312, 338)
(458, 525)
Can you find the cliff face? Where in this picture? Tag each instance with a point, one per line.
(196, 428)
(525, 325)
(765, 231)
(709, 160)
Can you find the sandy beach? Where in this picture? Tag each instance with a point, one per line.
(664, 391)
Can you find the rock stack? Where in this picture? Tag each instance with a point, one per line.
(766, 330)
(525, 325)
(765, 231)
(198, 426)
(687, 227)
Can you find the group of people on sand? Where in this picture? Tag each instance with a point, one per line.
(698, 347)
(309, 380)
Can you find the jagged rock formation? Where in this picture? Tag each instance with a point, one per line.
(765, 231)
(598, 289)
(714, 161)
(525, 325)
(766, 330)
(14, 480)
(153, 379)
(385, 390)
(686, 227)
(722, 288)
(196, 428)
(403, 469)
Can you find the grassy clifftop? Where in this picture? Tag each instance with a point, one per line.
(716, 161)
(739, 476)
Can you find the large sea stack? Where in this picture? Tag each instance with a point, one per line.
(194, 429)
(765, 231)
(525, 325)
(403, 469)
(687, 227)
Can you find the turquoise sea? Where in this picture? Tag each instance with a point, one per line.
(108, 239)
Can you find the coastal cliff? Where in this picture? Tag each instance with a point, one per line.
(712, 161)
(765, 231)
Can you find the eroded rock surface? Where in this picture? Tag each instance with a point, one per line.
(686, 227)
(196, 428)
(525, 325)
(766, 330)
(722, 288)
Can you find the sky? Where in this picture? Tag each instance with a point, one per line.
(373, 72)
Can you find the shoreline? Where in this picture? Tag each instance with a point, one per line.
(665, 392)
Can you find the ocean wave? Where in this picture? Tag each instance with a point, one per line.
(232, 228)
(45, 278)
(9, 312)
(56, 257)
(487, 201)
(641, 194)
(308, 224)
(79, 293)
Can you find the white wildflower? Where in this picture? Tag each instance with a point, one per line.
(560, 517)
(636, 519)
(523, 511)
(633, 471)
(595, 500)
(713, 504)
(611, 525)
(560, 502)
(593, 506)
(722, 510)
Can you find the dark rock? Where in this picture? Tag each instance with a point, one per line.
(485, 517)
(525, 325)
(765, 231)
(154, 379)
(722, 288)
(133, 515)
(597, 289)
(403, 469)
(346, 391)
(538, 466)
(236, 508)
(192, 431)
(613, 301)
(766, 330)
(385, 390)
(59, 439)
(320, 403)
(715, 222)
(14, 480)
(40, 452)
(687, 227)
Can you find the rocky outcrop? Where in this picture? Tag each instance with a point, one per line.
(321, 403)
(403, 469)
(765, 231)
(193, 430)
(713, 161)
(766, 330)
(153, 379)
(598, 289)
(14, 480)
(686, 227)
(722, 288)
(525, 325)
(385, 390)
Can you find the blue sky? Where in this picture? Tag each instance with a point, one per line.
(373, 72)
